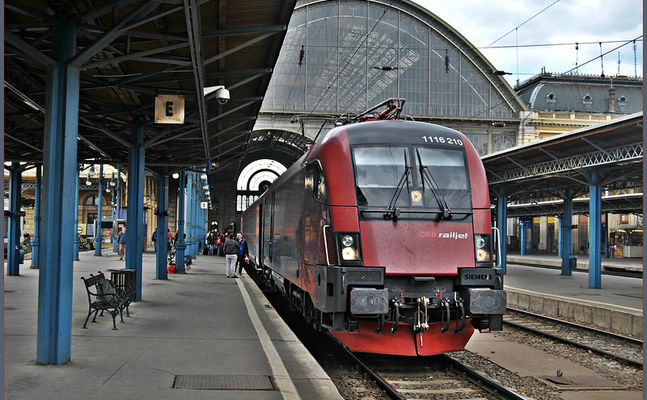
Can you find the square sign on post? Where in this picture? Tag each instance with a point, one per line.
(169, 109)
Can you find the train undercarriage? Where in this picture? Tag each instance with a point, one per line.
(418, 314)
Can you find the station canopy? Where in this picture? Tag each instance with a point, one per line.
(533, 175)
(130, 52)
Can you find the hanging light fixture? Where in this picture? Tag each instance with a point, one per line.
(88, 182)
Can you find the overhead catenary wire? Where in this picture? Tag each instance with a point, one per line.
(524, 22)
(602, 55)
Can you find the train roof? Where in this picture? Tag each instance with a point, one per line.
(398, 131)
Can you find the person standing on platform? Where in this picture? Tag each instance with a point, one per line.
(231, 255)
(211, 242)
(121, 240)
(243, 253)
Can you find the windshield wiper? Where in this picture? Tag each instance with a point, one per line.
(391, 211)
(440, 199)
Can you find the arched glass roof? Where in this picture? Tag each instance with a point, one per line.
(254, 173)
(346, 56)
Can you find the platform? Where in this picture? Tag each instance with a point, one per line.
(617, 305)
(551, 260)
(199, 328)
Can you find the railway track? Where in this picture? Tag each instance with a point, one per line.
(438, 377)
(624, 349)
(430, 378)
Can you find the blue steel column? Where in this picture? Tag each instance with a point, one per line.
(194, 216)
(566, 232)
(605, 235)
(196, 212)
(531, 248)
(135, 210)
(54, 343)
(98, 239)
(13, 231)
(595, 234)
(201, 221)
(77, 241)
(502, 217)
(523, 237)
(180, 245)
(35, 241)
(117, 194)
(189, 215)
(162, 225)
(559, 237)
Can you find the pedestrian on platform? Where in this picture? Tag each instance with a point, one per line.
(231, 256)
(243, 253)
(211, 242)
(121, 241)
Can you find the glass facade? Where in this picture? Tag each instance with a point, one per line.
(346, 56)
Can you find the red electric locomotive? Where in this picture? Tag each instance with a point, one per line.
(381, 234)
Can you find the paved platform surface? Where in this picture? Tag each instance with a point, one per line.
(617, 305)
(527, 361)
(552, 260)
(213, 329)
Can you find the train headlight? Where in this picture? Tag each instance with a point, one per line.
(483, 248)
(348, 253)
(349, 247)
(347, 240)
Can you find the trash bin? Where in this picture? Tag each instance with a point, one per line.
(572, 262)
(125, 277)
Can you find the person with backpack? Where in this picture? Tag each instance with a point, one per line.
(231, 253)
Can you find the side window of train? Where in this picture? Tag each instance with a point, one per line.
(315, 183)
(322, 192)
(311, 175)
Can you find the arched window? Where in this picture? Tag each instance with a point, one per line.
(91, 201)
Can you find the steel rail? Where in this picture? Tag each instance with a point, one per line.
(471, 375)
(381, 382)
(483, 381)
(626, 361)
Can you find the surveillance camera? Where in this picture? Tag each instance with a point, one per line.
(222, 95)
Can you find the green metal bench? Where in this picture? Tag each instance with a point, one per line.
(104, 295)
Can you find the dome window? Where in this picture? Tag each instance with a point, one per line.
(587, 100)
(622, 101)
(551, 98)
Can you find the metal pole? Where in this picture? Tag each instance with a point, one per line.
(98, 239)
(35, 241)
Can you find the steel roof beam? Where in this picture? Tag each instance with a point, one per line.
(629, 152)
(27, 49)
(228, 112)
(130, 21)
(239, 47)
(194, 31)
(143, 56)
(28, 11)
(189, 77)
(244, 30)
(102, 9)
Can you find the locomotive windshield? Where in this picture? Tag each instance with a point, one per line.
(379, 169)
